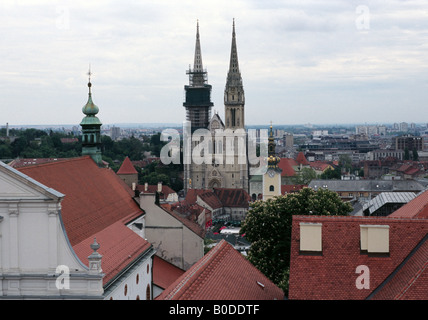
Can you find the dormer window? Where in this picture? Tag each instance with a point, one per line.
(310, 238)
(374, 239)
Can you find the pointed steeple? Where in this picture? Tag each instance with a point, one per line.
(198, 93)
(234, 97)
(197, 76)
(234, 64)
(197, 64)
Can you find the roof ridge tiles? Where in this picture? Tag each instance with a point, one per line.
(195, 270)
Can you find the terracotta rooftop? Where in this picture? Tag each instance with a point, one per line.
(417, 208)
(127, 167)
(230, 197)
(97, 204)
(211, 199)
(301, 159)
(222, 274)
(286, 164)
(410, 280)
(164, 273)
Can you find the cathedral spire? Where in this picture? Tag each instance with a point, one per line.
(197, 76)
(234, 64)
(198, 93)
(234, 98)
(197, 64)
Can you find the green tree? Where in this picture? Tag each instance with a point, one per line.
(345, 162)
(406, 154)
(268, 227)
(305, 176)
(415, 155)
(330, 173)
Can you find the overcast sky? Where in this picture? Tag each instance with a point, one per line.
(302, 62)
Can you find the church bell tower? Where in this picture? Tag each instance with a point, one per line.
(91, 129)
(198, 92)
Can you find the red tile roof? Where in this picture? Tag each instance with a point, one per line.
(164, 273)
(286, 164)
(192, 195)
(332, 275)
(301, 159)
(320, 165)
(127, 167)
(97, 204)
(232, 197)
(410, 280)
(417, 208)
(211, 199)
(222, 274)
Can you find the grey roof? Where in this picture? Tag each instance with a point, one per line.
(388, 197)
(367, 185)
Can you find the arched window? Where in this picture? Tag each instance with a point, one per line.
(148, 292)
(271, 188)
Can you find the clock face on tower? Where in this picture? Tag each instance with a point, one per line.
(271, 173)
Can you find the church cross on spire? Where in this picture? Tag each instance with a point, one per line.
(89, 79)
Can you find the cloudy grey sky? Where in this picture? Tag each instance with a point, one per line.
(331, 61)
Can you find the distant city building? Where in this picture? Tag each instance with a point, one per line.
(404, 126)
(409, 142)
(115, 133)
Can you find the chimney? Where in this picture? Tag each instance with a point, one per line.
(159, 187)
(146, 186)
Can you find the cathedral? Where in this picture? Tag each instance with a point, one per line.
(224, 143)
